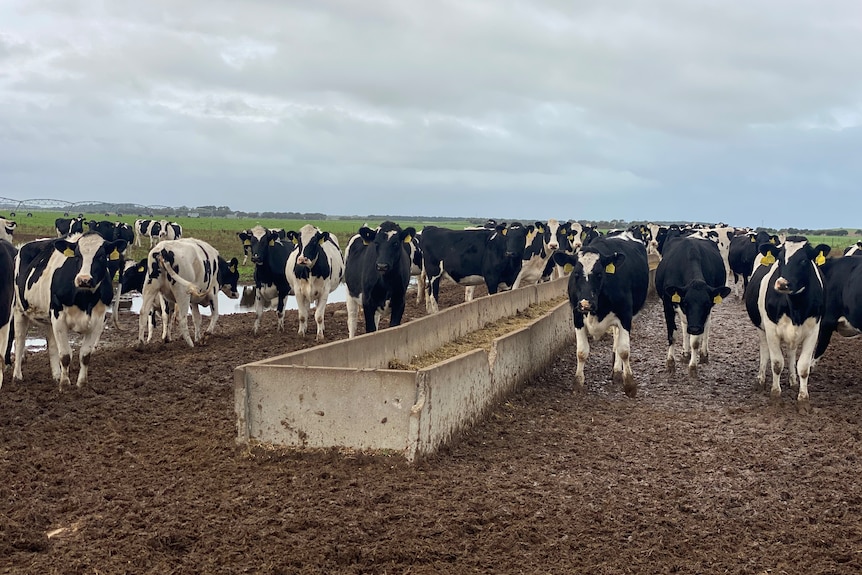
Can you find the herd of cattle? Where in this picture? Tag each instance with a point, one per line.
(793, 293)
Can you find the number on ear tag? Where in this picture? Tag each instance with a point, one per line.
(717, 299)
(675, 298)
(820, 259)
(609, 269)
(767, 260)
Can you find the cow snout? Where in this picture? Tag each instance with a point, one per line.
(84, 281)
(694, 329)
(554, 245)
(782, 285)
(584, 306)
(382, 268)
(510, 254)
(303, 261)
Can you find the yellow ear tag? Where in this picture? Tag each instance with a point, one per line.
(820, 259)
(568, 268)
(609, 269)
(364, 242)
(141, 268)
(767, 260)
(232, 269)
(69, 253)
(115, 255)
(753, 239)
(271, 242)
(246, 243)
(320, 241)
(717, 299)
(408, 239)
(772, 241)
(675, 298)
(540, 230)
(294, 240)
(504, 231)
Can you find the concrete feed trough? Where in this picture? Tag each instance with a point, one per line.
(343, 394)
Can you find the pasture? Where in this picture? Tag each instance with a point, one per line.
(140, 473)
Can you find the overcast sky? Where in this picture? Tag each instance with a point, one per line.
(741, 111)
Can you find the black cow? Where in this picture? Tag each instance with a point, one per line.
(472, 257)
(742, 254)
(7, 293)
(785, 300)
(843, 310)
(64, 283)
(245, 237)
(377, 272)
(269, 255)
(690, 280)
(607, 287)
(68, 226)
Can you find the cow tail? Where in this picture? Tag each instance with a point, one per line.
(190, 288)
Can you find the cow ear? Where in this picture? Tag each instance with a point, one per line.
(617, 259)
(719, 294)
(674, 293)
(409, 234)
(367, 234)
(822, 251)
(65, 248)
(564, 259)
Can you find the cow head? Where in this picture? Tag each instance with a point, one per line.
(260, 244)
(795, 260)
(391, 244)
(228, 277)
(516, 239)
(696, 300)
(91, 254)
(589, 272)
(133, 276)
(311, 241)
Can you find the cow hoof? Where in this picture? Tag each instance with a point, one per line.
(630, 388)
(704, 358)
(775, 393)
(671, 365)
(686, 356)
(803, 406)
(617, 377)
(578, 389)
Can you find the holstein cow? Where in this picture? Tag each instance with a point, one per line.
(246, 235)
(151, 229)
(690, 279)
(269, 253)
(854, 250)
(313, 270)
(64, 283)
(189, 273)
(377, 272)
(7, 295)
(169, 230)
(472, 257)
(785, 300)
(743, 252)
(843, 309)
(607, 287)
(131, 279)
(7, 229)
(538, 263)
(68, 226)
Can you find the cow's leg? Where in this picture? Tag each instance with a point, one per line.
(617, 373)
(791, 361)
(704, 340)
(396, 304)
(370, 311)
(64, 350)
(683, 333)
(624, 351)
(280, 311)
(803, 366)
(583, 353)
(88, 345)
(776, 360)
(196, 321)
(148, 298)
(4, 341)
(420, 287)
(353, 304)
(213, 311)
(302, 306)
(431, 301)
(320, 312)
(764, 359)
(53, 355)
(182, 311)
(670, 321)
(258, 309)
(695, 343)
(22, 326)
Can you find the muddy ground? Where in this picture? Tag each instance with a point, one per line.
(139, 473)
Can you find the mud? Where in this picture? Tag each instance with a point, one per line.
(140, 473)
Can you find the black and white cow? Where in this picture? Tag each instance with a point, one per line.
(314, 270)
(68, 226)
(843, 309)
(538, 263)
(245, 237)
(690, 280)
(7, 229)
(854, 250)
(743, 252)
(169, 230)
(269, 253)
(377, 272)
(151, 229)
(472, 257)
(64, 284)
(785, 300)
(607, 288)
(188, 273)
(7, 295)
